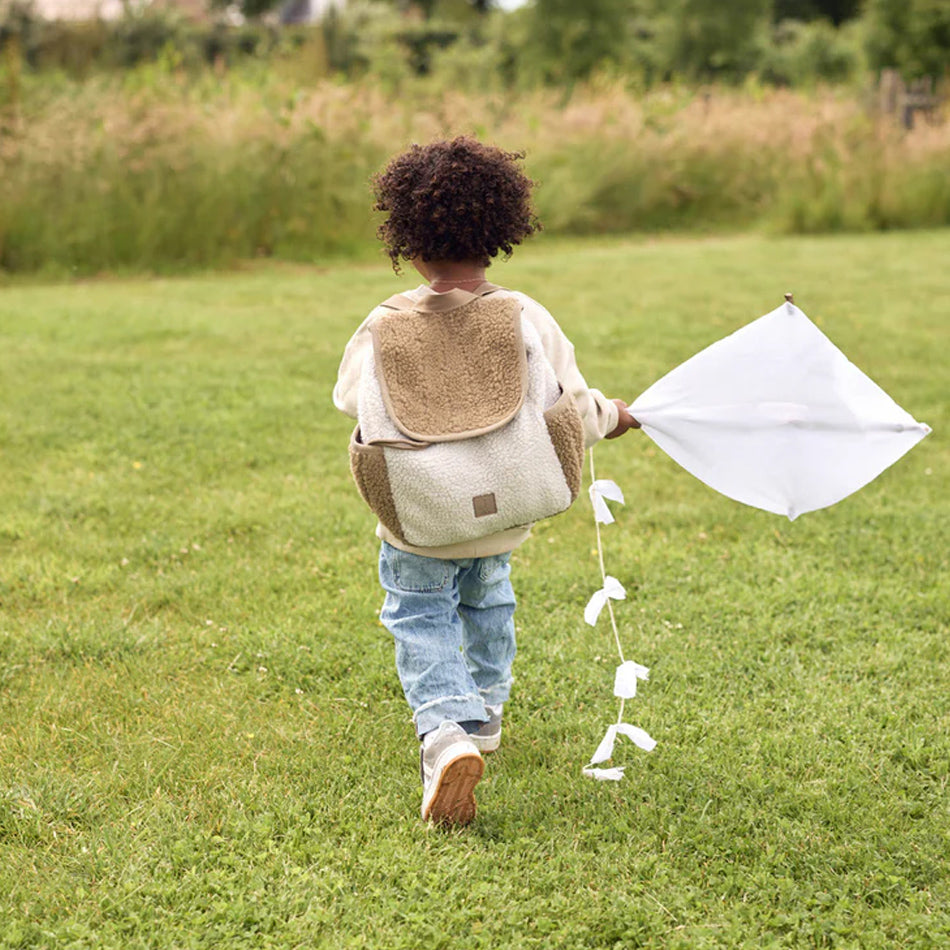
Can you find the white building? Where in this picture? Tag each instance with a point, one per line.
(78, 9)
(308, 11)
(114, 9)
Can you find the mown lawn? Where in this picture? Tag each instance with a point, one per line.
(202, 738)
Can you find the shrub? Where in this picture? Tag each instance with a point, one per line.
(82, 49)
(910, 35)
(802, 54)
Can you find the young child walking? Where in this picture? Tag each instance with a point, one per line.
(449, 358)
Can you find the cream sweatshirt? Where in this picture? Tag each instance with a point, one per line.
(598, 412)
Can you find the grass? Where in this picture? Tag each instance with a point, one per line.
(202, 736)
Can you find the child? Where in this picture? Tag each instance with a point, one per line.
(452, 206)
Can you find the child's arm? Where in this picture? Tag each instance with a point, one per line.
(346, 390)
(602, 417)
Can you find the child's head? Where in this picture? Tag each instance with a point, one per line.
(454, 201)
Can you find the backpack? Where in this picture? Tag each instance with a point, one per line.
(463, 429)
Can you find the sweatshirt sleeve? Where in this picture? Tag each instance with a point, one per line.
(599, 413)
(346, 390)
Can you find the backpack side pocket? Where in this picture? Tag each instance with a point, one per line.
(368, 465)
(566, 431)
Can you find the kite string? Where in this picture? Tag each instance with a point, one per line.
(603, 574)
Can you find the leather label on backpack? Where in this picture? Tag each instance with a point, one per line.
(485, 505)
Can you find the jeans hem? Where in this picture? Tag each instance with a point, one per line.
(496, 695)
(463, 708)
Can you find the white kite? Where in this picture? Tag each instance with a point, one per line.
(774, 416)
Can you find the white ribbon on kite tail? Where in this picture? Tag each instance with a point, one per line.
(639, 737)
(601, 489)
(625, 679)
(612, 590)
(605, 775)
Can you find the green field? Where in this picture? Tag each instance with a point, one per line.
(202, 739)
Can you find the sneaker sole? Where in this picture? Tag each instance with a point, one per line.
(453, 801)
(486, 743)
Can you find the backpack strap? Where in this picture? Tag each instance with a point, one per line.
(398, 302)
(439, 303)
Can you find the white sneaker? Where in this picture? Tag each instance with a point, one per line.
(488, 736)
(451, 768)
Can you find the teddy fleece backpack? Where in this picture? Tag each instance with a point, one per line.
(463, 429)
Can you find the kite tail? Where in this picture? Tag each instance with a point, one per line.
(628, 672)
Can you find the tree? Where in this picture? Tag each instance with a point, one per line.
(837, 11)
(448, 8)
(573, 39)
(912, 36)
(712, 38)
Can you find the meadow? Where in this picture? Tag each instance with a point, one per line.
(203, 741)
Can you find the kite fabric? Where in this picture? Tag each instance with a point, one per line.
(775, 416)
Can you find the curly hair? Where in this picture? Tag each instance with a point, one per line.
(454, 200)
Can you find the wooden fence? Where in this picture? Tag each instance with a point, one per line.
(905, 100)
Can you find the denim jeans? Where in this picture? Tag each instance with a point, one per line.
(453, 623)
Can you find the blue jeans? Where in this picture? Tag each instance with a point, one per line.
(453, 623)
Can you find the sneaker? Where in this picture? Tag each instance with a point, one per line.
(451, 768)
(487, 737)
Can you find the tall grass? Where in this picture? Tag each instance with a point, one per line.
(159, 170)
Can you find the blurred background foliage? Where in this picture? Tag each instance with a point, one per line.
(544, 41)
(169, 138)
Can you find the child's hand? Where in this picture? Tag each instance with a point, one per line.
(624, 421)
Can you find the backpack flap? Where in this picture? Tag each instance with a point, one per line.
(452, 375)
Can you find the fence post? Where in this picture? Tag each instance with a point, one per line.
(895, 97)
(14, 66)
(889, 88)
